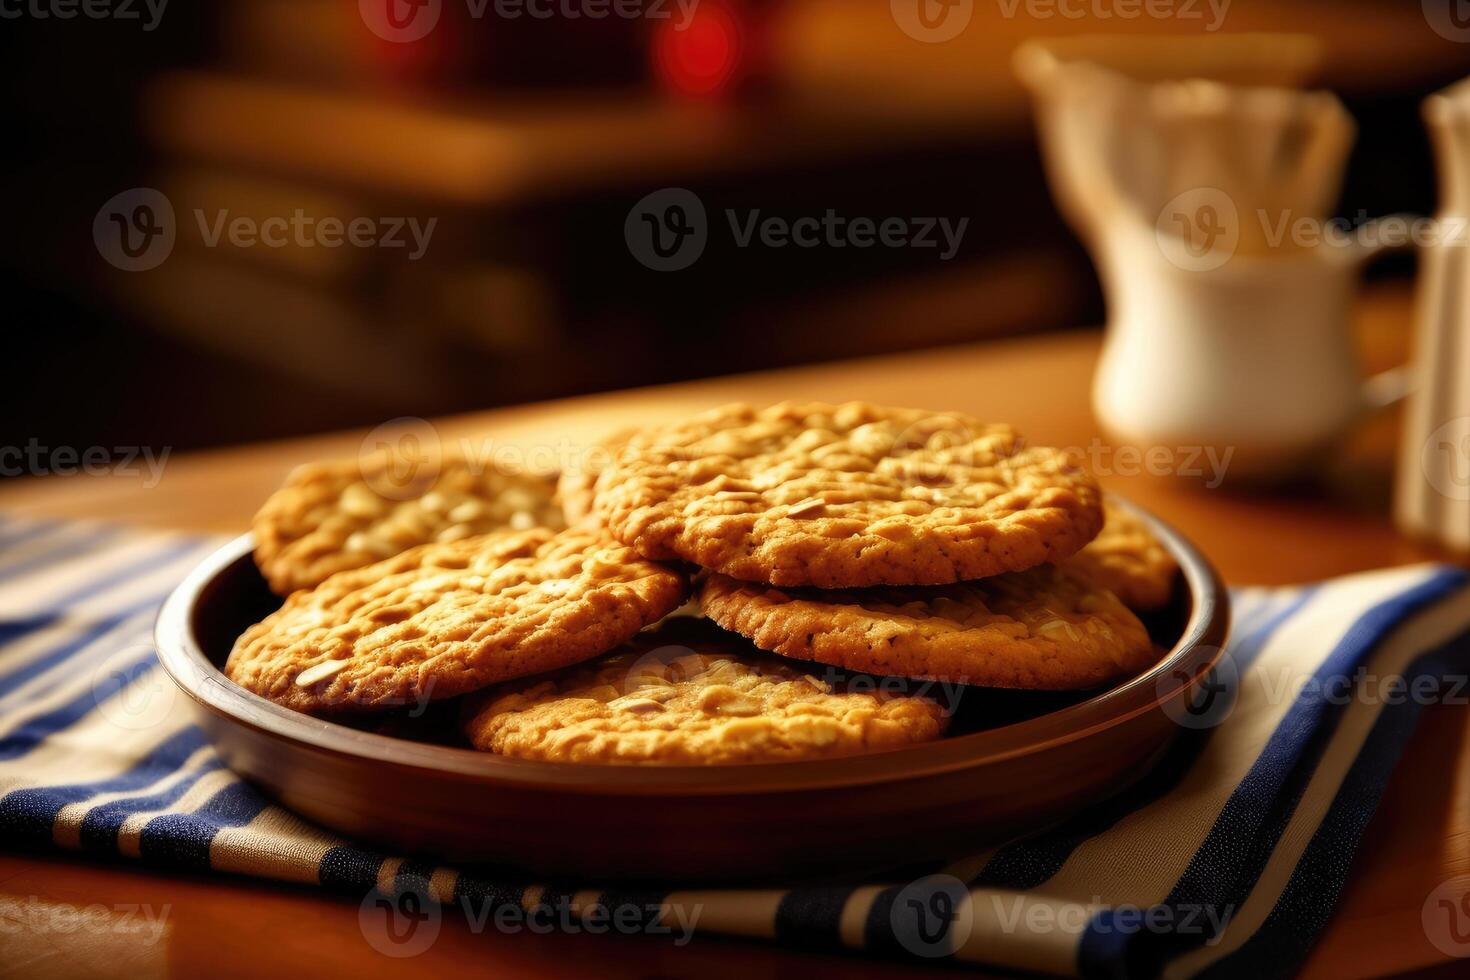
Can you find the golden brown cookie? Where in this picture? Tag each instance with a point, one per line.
(576, 486)
(329, 517)
(712, 703)
(846, 495)
(444, 619)
(1045, 628)
(1127, 559)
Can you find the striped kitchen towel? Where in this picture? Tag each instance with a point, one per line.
(1225, 860)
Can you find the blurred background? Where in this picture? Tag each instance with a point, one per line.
(526, 140)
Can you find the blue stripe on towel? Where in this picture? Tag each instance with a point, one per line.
(1229, 861)
(29, 814)
(1029, 863)
(19, 534)
(102, 823)
(18, 628)
(71, 548)
(64, 651)
(1302, 911)
(181, 840)
(38, 729)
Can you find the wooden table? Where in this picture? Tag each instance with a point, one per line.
(1419, 837)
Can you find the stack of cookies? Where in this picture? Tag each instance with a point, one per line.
(828, 544)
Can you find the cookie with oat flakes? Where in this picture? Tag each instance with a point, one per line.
(1128, 560)
(332, 516)
(448, 618)
(714, 701)
(1046, 628)
(851, 495)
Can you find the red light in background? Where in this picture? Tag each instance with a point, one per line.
(704, 57)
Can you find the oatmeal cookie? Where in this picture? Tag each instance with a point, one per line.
(447, 618)
(1045, 628)
(1128, 560)
(709, 703)
(329, 517)
(846, 495)
(576, 486)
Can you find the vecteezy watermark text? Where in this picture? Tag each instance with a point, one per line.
(833, 230)
(1390, 231)
(681, 12)
(305, 231)
(90, 9)
(1201, 229)
(1206, 463)
(35, 459)
(1210, 12)
(406, 21)
(136, 230)
(669, 229)
(35, 916)
(935, 916)
(937, 21)
(406, 922)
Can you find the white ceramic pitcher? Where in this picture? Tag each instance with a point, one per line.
(1432, 497)
(1250, 355)
(1226, 328)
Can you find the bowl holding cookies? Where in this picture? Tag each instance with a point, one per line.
(752, 642)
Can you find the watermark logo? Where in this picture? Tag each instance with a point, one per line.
(667, 230)
(1199, 229)
(932, 917)
(130, 691)
(932, 21)
(1203, 701)
(1445, 917)
(660, 667)
(402, 458)
(135, 230)
(937, 453)
(1450, 19)
(402, 924)
(1445, 459)
(400, 21)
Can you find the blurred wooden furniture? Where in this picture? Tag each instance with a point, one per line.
(1419, 837)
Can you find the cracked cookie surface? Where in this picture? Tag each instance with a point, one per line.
(710, 702)
(332, 516)
(448, 618)
(1128, 560)
(846, 495)
(1045, 628)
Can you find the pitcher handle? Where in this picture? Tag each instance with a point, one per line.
(1391, 386)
